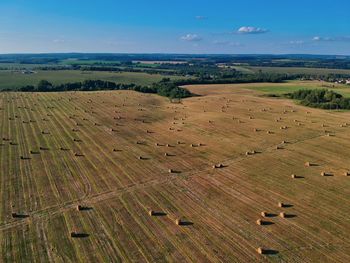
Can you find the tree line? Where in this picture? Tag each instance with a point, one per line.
(164, 88)
(320, 98)
(239, 78)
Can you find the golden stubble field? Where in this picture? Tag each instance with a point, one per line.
(122, 156)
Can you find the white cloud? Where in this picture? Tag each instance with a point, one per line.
(191, 37)
(297, 42)
(330, 39)
(318, 38)
(251, 30)
(201, 17)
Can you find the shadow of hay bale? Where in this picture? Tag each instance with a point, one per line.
(79, 235)
(84, 208)
(16, 215)
(157, 213)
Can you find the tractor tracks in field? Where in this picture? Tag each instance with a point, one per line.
(92, 199)
(47, 213)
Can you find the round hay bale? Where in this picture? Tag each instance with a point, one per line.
(347, 173)
(293, 176)
(259, 222)
(307, 164)
(263, 214)
(280, 204)
(151, 212)
(178, 221)
(261, 250)
(282, 215)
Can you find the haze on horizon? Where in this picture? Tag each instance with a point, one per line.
(198, 27)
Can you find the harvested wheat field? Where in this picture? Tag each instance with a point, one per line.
(122, 176)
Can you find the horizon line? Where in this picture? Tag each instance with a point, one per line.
(174, 53)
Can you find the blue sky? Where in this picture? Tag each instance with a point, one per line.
(191, 26)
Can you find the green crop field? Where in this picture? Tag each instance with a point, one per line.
(291, 86)
(15, 79)
(18, 66)
(286, 87)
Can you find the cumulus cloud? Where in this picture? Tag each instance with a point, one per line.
(191, 37)
(201, 17)
(251, 30)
